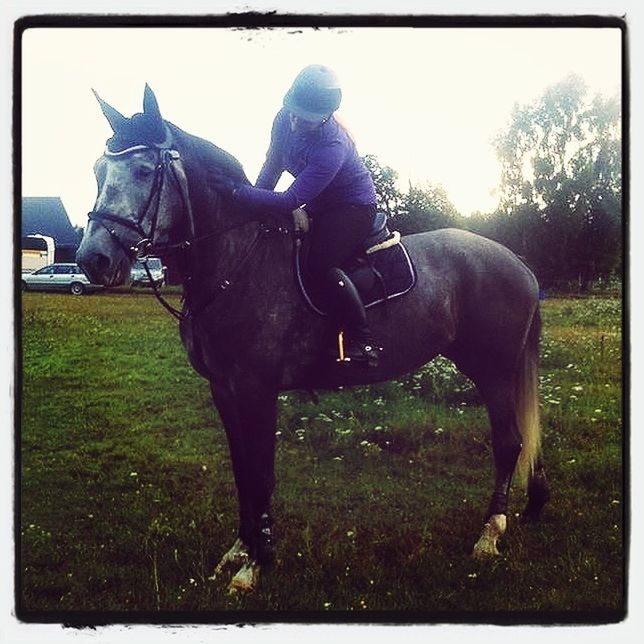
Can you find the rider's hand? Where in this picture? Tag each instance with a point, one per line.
(300, 221)
(224, 185)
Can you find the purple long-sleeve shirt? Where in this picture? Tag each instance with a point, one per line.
(326, 166)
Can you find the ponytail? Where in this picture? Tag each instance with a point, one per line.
(343, 126)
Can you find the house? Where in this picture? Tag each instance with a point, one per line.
(44, 219)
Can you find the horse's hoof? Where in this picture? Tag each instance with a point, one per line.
(532, 511)
(485, 547)
(530, 516)
(236, 556)
(246, 579)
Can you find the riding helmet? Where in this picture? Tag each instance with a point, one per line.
(315, 94)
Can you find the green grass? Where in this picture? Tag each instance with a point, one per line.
(128, 502)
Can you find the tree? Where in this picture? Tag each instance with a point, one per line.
(426, 208)
(561, 180)
(420, 209)
(388, 196)
(79, 231)
(597, 182)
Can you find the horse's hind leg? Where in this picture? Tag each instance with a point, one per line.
(538, 493)
(506, 446)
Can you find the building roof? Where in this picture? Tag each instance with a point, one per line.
(33, 243)
(47, 216)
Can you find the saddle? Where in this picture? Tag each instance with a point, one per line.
(381, 269)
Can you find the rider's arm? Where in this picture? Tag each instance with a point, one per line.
(274, 164)
(322, 167)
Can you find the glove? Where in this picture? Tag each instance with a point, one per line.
(300, 221)
(224, 185)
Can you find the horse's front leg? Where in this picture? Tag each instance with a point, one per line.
(249, 411)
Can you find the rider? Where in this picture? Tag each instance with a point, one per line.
(336, 187)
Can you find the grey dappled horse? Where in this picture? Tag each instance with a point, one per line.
(248, 330)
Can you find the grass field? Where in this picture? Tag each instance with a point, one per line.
(127, 500)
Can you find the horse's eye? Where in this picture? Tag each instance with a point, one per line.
(142, 172)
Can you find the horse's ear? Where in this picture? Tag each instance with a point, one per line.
(150, 104)
(114, 117)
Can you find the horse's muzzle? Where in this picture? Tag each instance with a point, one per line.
(101, 268)
(95, 265)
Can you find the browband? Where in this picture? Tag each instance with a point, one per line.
(134, 148)
(165, 144)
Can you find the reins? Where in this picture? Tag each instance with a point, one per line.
(229, 281)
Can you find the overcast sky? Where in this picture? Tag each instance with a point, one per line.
(425, 101)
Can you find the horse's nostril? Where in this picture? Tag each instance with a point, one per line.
(96, 265)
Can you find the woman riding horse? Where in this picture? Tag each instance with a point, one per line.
(474, 302)
(336, 187)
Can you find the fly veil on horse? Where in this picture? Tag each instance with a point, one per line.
(248, 330)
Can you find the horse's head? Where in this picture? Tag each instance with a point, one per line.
(142, 194)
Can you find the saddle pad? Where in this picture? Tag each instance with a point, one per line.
(379, 276)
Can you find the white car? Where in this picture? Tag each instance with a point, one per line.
(139, 276)
(59, 277)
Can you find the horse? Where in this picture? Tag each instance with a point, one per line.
(248, 330)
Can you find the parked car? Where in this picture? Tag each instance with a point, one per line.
(139, 276)
(59, 277)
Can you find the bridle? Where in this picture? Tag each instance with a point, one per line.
(145, 245)
(141, 249)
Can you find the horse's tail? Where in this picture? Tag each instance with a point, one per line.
(527, 399)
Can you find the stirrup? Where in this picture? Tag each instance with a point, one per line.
(359, 354)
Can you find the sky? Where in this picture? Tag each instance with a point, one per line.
(426, 101)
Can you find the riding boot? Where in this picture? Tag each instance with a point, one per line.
(350, 315)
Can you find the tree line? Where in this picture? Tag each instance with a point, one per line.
(560, 196)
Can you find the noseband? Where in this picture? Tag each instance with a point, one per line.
(141, 249)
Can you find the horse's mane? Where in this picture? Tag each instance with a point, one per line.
(206, 163)
(210, 158)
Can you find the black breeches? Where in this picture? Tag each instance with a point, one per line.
(336, 235)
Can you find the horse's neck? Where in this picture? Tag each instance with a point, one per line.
(230, 248)
(222, 249)
(240, 275)
(219, 236)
